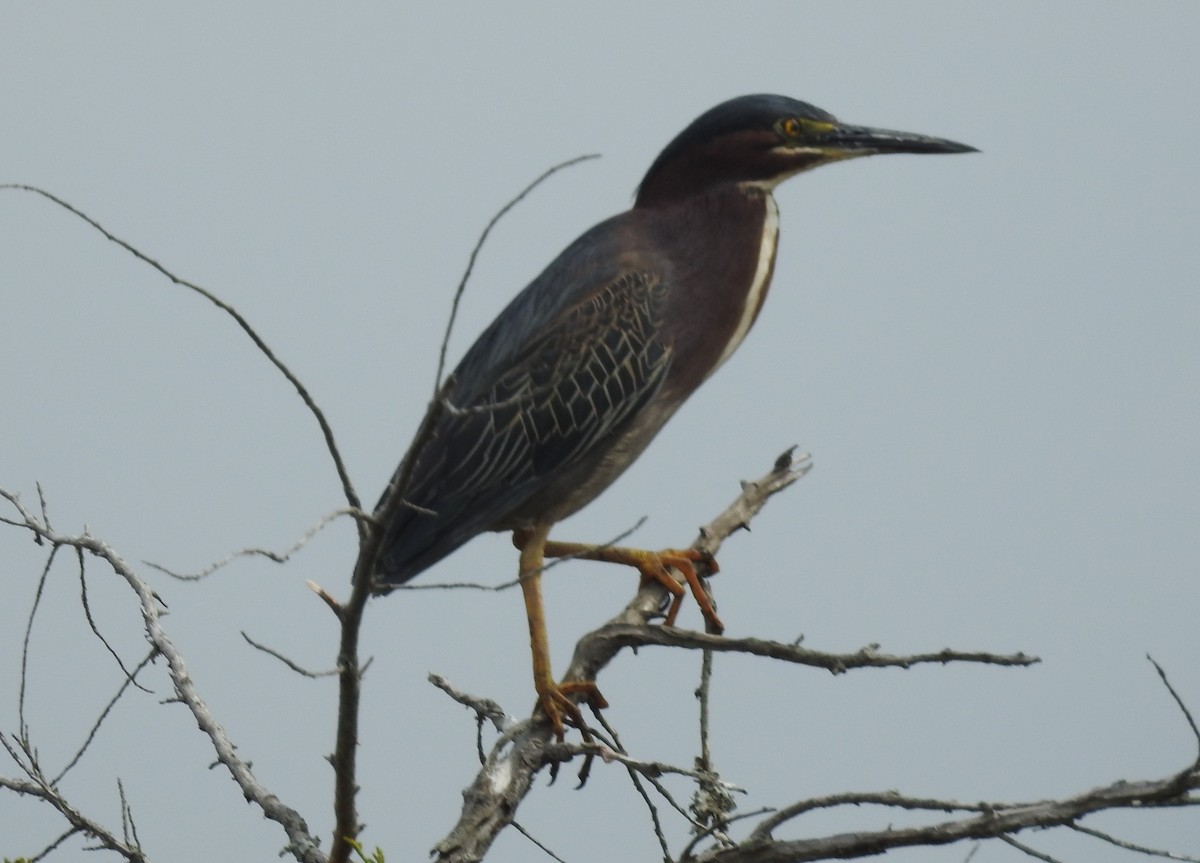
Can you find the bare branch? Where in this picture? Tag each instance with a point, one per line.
(276, 556)
(130, 680)
(993, 821)
(42, 503)
(1182, 707)
(462, 284)
(78, 821)
(22, 727)
(40, 787)
(128, 825)
(485, 708)
(610, 638)
(87, 612)
(289, 663)
(325, 597)
(326, 430)
(649, 769)
(720, 835)
(523, 748)
(350, 614)
(893, 799)
(539, 845)
(1028, 851)
(301, 843)
(788, 468)
(712, 803)
(655, 821)
(640, 772)
(508, 585)
(1132, 846)
(491, 801)
(702, 694)
(45, 852)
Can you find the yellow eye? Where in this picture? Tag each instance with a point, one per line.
(795, 129)
(790, 127)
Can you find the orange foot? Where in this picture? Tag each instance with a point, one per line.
(655, 566)
(556, 702)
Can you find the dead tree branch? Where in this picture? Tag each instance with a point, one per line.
(349, 613)
(301, 843)
(524, 748)
(507, 774)
(326, 430)
(993, 821)
(483, 235)
(39, 786)
(273, 556)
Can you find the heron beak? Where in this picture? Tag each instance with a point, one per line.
(847, 142)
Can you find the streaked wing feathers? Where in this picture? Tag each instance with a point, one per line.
(564, 393)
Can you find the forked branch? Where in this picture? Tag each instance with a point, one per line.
(492, 800)
(301, 843)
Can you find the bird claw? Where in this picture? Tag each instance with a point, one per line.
(556, 703)
(655, 566)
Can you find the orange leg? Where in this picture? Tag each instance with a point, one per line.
(654, 565)
(553, 697)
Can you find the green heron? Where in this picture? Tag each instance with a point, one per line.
(563, 391)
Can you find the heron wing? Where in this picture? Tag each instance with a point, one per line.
(528, 414)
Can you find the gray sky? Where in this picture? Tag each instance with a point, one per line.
(993, 359)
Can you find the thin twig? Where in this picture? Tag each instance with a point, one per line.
(702, 694)
(712, 802)
(128, 825)
(39, 787)
(508, 585)
(42, 503)
(326, 430)
(45, 852)
(615, 636)
(1132, 846)
(540, 845)
(125, 684)
(275, 556)
(719, 835)
(985, 821)
(485, 708)
(655, 821)
(649, 769)
(517, 757)
(22, 727)
(1027, 850)
(299, 669)
(87, 612)
(301, 843)
(861, 798)
(350, 616)
(1179, 702)
(462, 284)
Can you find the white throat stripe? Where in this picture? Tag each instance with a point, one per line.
(762, 274)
